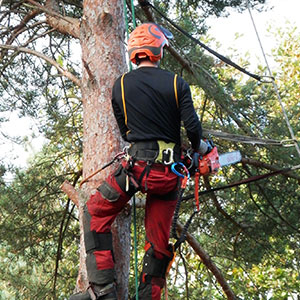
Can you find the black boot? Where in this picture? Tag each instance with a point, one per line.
(97, 292)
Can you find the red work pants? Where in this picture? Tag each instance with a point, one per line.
(110, 199)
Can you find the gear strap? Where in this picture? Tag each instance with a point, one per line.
(97, 241)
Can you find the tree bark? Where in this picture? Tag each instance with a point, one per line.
(103, 57)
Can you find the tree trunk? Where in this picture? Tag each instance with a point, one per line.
(103, 57)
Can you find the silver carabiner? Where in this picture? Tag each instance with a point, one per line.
(170, 152)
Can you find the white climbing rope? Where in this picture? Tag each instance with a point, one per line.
(293, 138)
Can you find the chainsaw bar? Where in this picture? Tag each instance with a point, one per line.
(230, 158)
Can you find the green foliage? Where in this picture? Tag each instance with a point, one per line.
(251, 232)
(40, 229)
(38, 224)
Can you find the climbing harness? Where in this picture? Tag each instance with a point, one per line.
(155, 152)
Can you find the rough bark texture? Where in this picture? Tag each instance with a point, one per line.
(103, 57)
(67, 25)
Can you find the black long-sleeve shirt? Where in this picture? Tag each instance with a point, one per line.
(149, 110)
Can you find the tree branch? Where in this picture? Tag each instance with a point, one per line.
(12, 8)
(261, 164)
(262, 191)
(74, 3)
(62, 230)
(65, 25)
(19, 28)
(209, 264)
(59, 247)
(219, 207)
(63, 72)
(13, 37)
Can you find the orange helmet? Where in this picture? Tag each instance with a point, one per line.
(148, 40)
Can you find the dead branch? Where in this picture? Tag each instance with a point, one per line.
(61, 70)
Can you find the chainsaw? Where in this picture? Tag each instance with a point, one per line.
(209, 163)
(203, 162)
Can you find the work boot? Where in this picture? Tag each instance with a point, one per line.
(97, 292)
(81, 296)
(153, 276)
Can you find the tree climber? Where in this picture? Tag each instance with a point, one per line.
(149, 104)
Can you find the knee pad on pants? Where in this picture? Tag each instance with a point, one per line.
(154, 269)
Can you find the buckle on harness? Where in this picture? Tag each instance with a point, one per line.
(169, 152)
(154, 151)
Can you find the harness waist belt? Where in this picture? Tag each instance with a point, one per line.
(155, 151)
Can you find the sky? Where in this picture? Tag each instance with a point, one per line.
(222, 29)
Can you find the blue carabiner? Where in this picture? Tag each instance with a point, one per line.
(178, 173)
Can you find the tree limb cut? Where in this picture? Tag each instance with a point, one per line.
(71, 192)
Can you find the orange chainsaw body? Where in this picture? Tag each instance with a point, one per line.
(209, 163)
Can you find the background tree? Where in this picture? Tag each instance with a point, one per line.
(246, 231)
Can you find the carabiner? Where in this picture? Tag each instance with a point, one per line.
(169, 152)
(173, 168)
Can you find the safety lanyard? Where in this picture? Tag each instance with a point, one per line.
(183, 180)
